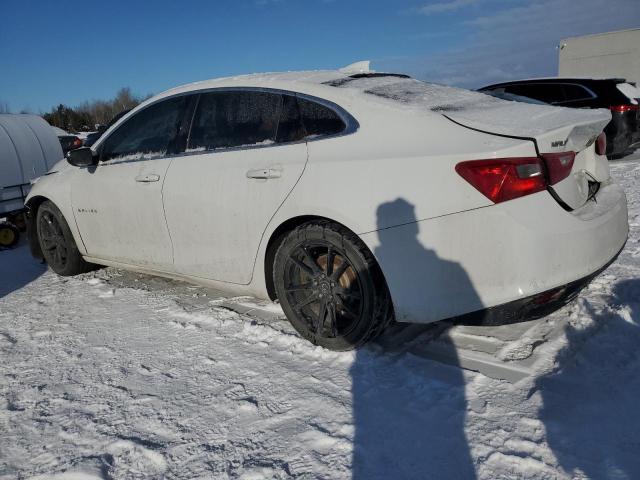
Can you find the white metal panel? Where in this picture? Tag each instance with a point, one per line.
(28, 148)
(26, 143)
(10, 168)
(49, 143)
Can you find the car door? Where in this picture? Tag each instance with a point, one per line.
(246, 152)
(118, 204)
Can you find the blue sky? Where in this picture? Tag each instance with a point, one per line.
(65, 52)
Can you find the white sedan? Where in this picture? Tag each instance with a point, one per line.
(353, 198)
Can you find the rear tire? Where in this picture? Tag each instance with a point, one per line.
(56, 241)
(330, 286)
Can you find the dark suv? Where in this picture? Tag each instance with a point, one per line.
(615, 94)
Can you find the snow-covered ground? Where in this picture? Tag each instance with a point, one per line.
(101, 380)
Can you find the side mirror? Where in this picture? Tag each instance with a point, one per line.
(82, 157)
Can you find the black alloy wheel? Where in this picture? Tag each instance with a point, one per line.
(52, 241)
(56, 242)
(330, 287)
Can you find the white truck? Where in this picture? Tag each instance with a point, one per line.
(28, 149)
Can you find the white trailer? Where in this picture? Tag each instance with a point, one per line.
(28, 149)
(603, 55)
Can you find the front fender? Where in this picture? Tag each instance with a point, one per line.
(55, 187)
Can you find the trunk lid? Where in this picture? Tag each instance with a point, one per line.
(552, 129)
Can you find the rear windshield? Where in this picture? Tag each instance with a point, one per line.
(471, 108)
(408, 91)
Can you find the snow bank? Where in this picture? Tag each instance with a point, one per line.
(100, 380)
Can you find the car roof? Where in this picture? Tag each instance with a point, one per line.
(385, 93)
(578, 80)
(308, 81)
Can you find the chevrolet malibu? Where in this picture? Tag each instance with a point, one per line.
(354, 198)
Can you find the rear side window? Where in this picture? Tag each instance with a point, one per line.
(319, 120)
(235, 119)
(250, 118)
(290, 128)
(575, 93)
(548, 93)
(148, 133)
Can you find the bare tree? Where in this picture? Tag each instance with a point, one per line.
(90, 114)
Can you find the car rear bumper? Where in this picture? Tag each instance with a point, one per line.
(474, 260)
(533, 307)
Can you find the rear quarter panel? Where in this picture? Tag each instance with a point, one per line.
(366, 180)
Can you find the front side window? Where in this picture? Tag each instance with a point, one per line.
(149, 133)
(235, 119)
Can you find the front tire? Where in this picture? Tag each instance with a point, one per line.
(56, 242)
(330, 286)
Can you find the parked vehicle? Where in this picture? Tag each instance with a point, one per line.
(94, 136)
(28, 149)
(616, 94)
(67, 140)
(354, 198)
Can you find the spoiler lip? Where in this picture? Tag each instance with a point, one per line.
(574, 136)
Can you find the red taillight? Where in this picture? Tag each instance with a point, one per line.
(601, 144)
(77, 143)
(623, 108)
(504, 179)
(559, 165)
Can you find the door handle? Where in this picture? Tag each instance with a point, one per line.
(151, 177)
(264, 173)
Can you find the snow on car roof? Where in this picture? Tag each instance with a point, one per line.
(475, 109)
(271, 79)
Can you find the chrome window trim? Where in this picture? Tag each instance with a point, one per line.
(351, 124)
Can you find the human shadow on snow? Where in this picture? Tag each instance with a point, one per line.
(17, 269)
(409, 414)
(590, 402)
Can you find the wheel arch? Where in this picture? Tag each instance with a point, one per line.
(32, 206)
(278, 235)
(276, 238)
